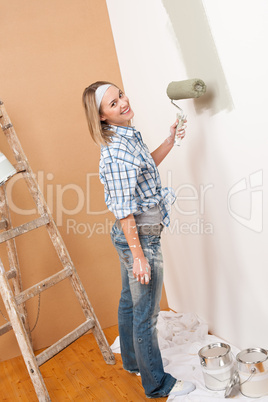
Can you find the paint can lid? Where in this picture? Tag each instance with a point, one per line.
(252, 356)
(215, 355)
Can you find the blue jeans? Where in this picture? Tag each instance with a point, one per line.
(137, 315)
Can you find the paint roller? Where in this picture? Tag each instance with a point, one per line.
(186, 89)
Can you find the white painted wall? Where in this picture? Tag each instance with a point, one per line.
(216, 248)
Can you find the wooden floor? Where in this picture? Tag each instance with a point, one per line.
(78, 373)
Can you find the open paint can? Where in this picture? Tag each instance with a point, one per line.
(252, 367)
(217, 365)
(6, 169)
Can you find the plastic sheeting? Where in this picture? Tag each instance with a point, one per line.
(180, 338)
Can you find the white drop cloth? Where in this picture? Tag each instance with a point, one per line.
(180, 338)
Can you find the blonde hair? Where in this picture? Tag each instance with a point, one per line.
(99, 130)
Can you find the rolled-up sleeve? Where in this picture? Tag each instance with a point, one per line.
(120, 186)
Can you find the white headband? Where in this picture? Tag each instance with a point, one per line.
(99, 93)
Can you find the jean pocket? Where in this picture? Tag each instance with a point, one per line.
(122, 247)
(119, 238)
(124, 253)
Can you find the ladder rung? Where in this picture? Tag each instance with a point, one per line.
(5, 328)
(8, 326)
(3, 224)
(26, 227)
(64, 342)
(43, 285)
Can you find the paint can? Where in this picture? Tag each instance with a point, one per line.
(217, 365)
(252, 367)
(6, 169)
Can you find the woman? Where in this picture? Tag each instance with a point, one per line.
(134, 194)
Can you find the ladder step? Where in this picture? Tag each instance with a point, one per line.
(8, 326)
(64, 342)
(43, 285)
(26, 227)
(5, 328)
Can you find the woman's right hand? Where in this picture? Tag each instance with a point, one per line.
(178, 131)
(141, 270)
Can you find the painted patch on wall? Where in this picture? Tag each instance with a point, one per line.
(197, 46)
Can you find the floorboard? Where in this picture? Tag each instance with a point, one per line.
(78, 373)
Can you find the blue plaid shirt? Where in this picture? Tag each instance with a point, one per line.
(131, 179)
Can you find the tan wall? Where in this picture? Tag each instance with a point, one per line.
(50, 51)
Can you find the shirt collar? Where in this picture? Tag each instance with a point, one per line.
(126, 131)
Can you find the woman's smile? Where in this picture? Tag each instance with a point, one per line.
(126, 111)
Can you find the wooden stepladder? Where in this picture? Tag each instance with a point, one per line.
(14, 297)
